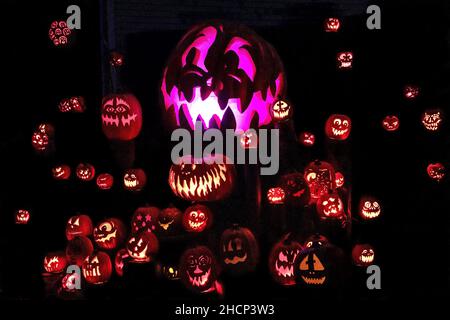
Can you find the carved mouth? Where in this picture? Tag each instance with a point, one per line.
(338, 132)
(281, 114)
(107, 237)
(196, 225)
(366, 259)
(116, 120)
(371, 213)
(345, 65)
(314, 280)
(130, 183)
(200, 280)
(236, 259)
(165, 226)
(431, 126)
(284, 270)
(92, 272)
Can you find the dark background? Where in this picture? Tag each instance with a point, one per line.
(411, 237)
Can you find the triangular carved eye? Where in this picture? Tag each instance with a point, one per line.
(318, 266)
(95, 260)
(77, 222)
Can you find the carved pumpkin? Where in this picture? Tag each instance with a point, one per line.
(145, 219)
(276, 195)
(239, 250)
(363, 255)
(59, 33)
(249, 139)
(61, 172)
(109, 233)
(307, 138)
(72, 104)
(134, 179)
(281, 260)
(391, 123)
(142, 246)
(169, 271)
(207, 179)
(198, 269)
(296, 189)
(22, 216)
(345, 60)
(97, 268)
(338, 127)
(79, 225)
(55, 262)
(311, 267)
(411, 91)
(330, 206)
(121, 116)
(116, 59)
(281, 110)
(78, 249)
(340, 180)
(169, 221)
(85, 171)
(43, 137)
(436, 171)
(316, 241)
(224, 75)
(197, 218)
(320, 177)
(332, 24)
(432, 119)
(105, 181)
(369, 208)
(119, 261)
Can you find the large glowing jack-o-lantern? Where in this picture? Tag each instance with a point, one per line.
(121, 116)
(390, 123)
(363, 255)
(55, 262)
(142, 246)
(198, 268)
(436, 171)
(282, 259)
(432, 119)
(338, 127)
(59, 33)
(22, 216)
(320, 177)
(369, 207)
(224, 75)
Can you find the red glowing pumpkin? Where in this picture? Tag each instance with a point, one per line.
(320, 177)
(432, 119)
(79, 225)
(307, 138)
(345, 60)
(391, 123)
(22, 216)
(109, 233)
(436, 171)
(85, 172)
(42, 139)
(338, 127)
(145, 219)
(332, 24)
(142, 246)
(116, 59)
(72, 104)
(411, 92)
(59, 33)
(249, 139)
(55, 262)
(282, 258)
(169, 221)
(197, 218)
(276, 195)
(281, 110)
(363, 255)
(78, 249)
(105, 181)
(340, 180)
(97, 268)
(119, 261)
(223, 75)
(369, 207)
(134, 179)
(198, 269)
(61, 172)
(330, 206)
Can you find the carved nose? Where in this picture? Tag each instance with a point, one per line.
(197, 270)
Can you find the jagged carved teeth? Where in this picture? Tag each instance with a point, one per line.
(195, 225)
(371, 214)
(282, 114)
(338, 132)
(115, 120)
(108, 237)
(309, 280)
(199, 280)
(130, 183)
(346, 64)
(366, 259)
(204, 185)
(431, 126)
(284, 271)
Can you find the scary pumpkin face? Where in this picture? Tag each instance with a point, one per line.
(363, 255)
(249, 139)
(369, 208)
(411, 91)
(436, 171)
(121, 116)
(22, 216)
(338, 127)
(296, 189)
(55, 262)
(276, 195)
(59, 33)
(198, 269)
(169, 220)
(223, 75)
(197, 218)
(390, 123)
(43, 137)
(312, 268)
(105, 181)
(79, 225)
(316, 241)
(330, 206)
(85, 171)
(281, 111)
(145, 219)
(142, 246)
(320, 177)
(78, 249)
(281, 260)
(97, 268)
(116, 59)
(109, 233)
(207, 179)
(239, 250)
(119, 261)
(340, 180)
(72, 104)
(134, 179)
(307, 138)
(61, 172)
(431, 119)
(332, 24)
(345, 60)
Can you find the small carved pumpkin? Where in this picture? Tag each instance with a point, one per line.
(391, 123)
(197, 218)
(61, 172)
(72, 104)
(43, 137)
(85, 171)
(340, 180)
(432, 119)
(55, 262)
(59, 33)
(332, 24)
(281, 111)
(411, 91)
(316, 241)
(105, 181)
(369, 207)
(276, 195)
(134, 179)
(307, 138)
(109, 233)
(320, 177)
(338, 127)
(22, 216)
(116, 59)
(97, 268)
(330, 206)
(169, 221)
(436, 171)
(296, 189)
(363, 255)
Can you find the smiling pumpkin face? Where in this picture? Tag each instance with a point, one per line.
(55, 262)
(97, 268)
(134, 179)
(369, 207)
(330, 206)
(363, 255)
(391, 123)
(338, 127)
(198, 269)
(432, 119)
(61, 172)
(142, 246)
(109, 233)
(85, 172)
(344, 60)
(281, 111)
(197, 218)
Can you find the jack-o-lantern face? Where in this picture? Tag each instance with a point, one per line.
(121, 117)
(22, 216)
(281, 260)
(340, 180)
(145, 219)
(411, 92)
(72, 104)
(239, 250)
(369, 208)
(97, 268)
(431, 119)
(332, 24)
(345, 60)
(109, 233)
(105, 181)
(363, 255)
(207, 179)
(55, 262)
(119, 261)
(198, 269)
(276, 195)
(436, 171)
(296, 189)
(197, 218)
(43, 137)
(169, 271)
(391, 123)
(78, 249)
(79, 225)
(316, 241)
(320, 177)
(338, 127)
(169, 220)
(59, 33)
(134, 179)
(330, 206)
(281, 111)
(249, 139)
(311, 268)
(61, 172)
(142, 246)
(85, 172)
(223, 75)
(116, 59)
(307, 138)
